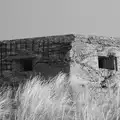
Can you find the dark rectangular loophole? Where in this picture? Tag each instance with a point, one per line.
(107, 62)
(26, 64)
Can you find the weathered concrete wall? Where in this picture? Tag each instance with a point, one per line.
(84, 54)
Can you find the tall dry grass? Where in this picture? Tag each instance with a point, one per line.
(58, 100)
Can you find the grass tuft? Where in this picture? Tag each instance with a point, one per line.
(58, 99)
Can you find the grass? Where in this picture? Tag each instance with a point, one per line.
(59, 100)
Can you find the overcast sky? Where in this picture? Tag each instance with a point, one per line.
(33, 18)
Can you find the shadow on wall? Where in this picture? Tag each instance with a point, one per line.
(52, 70)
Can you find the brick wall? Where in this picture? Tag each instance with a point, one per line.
(51, 49)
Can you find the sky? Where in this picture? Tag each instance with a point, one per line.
(37, 18)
